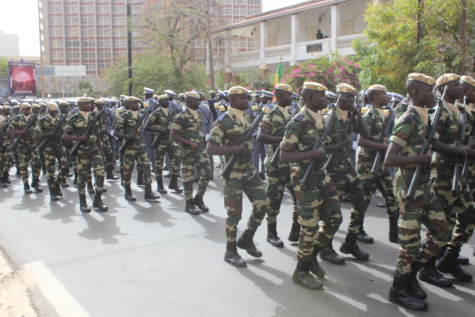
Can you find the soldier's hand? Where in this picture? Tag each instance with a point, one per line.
(195, 146)
(242, 150)
(355, 109)
(83, 138)
(348, 139)
(319, 153)
(471, 153)
(130, 137)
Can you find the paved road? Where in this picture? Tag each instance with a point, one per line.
(153, 259)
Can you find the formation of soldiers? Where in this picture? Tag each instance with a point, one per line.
(416, 151)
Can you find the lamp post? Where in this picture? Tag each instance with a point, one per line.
(40, 28)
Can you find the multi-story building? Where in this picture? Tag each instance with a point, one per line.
(10, 45)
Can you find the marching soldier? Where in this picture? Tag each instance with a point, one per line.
(88, 155)
(405, 144)
(108, 155)
(226, 132)
(259, 148)
(126, 128)
(8, 159)
(27, 151)
(54, 151)
(147, 135)
(271, 131)
(187, 131)
(376, 119)
(166, 145)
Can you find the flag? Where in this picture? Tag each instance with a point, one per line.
(278, 73)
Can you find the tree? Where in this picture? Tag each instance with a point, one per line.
(85, 87)
(405, 36)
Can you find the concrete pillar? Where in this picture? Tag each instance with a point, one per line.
(335, 23)
(293, 39)
(263, 36)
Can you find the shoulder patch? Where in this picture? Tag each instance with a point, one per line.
(408, 118)
(222, 116)
(299, 117)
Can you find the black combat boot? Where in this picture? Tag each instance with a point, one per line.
(315, 267)
(198, 201)
(59, 192)
(393, 229)
(350, 247)
(6, 178)
(429, 274)
(295, 229)
(232, 256)
(414, 286)
(110, 173)
(190, 208)
(449, 264)
(52, 193)
(329, 254)
(174, 184)
(36, 185)
(90, 188)
(364, 237)
(303, 277)
(272, 236)
(149, 195)
(400, 293)
(27, 188)
(83, 204)
(245, 242)
(160, 187)
(128, 193)
(2, 183)
(140, 180)
(98, 202)
(65, 183)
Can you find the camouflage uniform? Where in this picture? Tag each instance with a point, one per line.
(320, 200)
(165, 144)
(88, 155)
(7, 159)
(370, 182)
(227, 131)
(409, 132)
(135, 150)
(189, 128)
(54, 151)
(108, 155)
(27, 148)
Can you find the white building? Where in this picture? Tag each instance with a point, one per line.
(290, 34)
(10, 45)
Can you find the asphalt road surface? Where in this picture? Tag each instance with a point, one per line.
(153, 259)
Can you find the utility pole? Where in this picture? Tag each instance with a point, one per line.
(129, 49)
(463, 36)
(42, 71)
(210, 49)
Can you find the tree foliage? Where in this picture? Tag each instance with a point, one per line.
(391, 49)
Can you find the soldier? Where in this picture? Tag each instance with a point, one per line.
(211, 101)
(458, 205)
(207, 122)
(376, 119)
(108, 156)
(405, 143)
(88, 154)
(4, 148)
(27, 151)
(8, 159)
(187, 131)
(342, 171)
(271, 131)
(148, 136)
(318, 201)
(259, 148)
(165, 144)
(226, 132)
(126, 128)
(54, 151)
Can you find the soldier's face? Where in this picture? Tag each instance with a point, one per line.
(163, 103)
(425, 95)
(5, 112)
(99, 106)
(284, 99)
(258, 99)
(36, 110)
(454, 90)
(192, 103)
(346, 101)
(26, 111)
(64, 109)
(53, 113)
(316, 101)
(238, 101)
(134, 105)
(84, 106)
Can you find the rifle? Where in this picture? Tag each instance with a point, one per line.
(318, 144)
(137, 125)
(5, 127)
(460, 140)
(91, 124)
(55, 130)
(377, 159)
(229, 165)
(468, 161)
(411, 190)
(275, 157)
(165, 124)
(32, 121)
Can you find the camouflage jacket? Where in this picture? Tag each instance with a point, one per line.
(227, 130)
(76, 125)
(45, 125)
(189, 128)
(126, 123)
(274, 124)
(300, 135)
(20, 123)
(401, 108)
(157, 120)
(469, 129)
(4, 140)
(447, 132)
(376, 124)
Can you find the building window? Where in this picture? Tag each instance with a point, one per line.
(104, 43)
(70, 9)
(88, 44)
(227, 11)
(56, 44)
(103, 9)
(104, 32)
(240, 12)
(87, 9)
(118, 21)
(55, 9)
(102, 66)
(104, 55)
(254, 2)
(227, 1)
(242, 44)
(88, 55)
(57, 55)
(90, 67)
(71, 20)
(87, 21)
(104, 21)
(55, 20)
(120, 43)
(87, 32)
(117, 9)
(72, 44)
(236, 2)
(72, 32)
(72, 55)
(250, 45)
(135, 10)
(254, 11)
(56, 32)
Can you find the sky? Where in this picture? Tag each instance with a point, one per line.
(21, 17)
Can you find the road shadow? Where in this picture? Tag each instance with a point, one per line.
(104, 230)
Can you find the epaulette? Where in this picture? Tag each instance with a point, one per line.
(408, 118)
(222, 116)
(299, 117)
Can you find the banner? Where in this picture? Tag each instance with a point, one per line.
(22, 79)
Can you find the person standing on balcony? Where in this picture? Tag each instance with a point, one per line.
(319, 34)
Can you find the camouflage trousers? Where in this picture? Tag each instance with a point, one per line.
(25, 155)
(108, 155)
(319, 202)
(347, 181)
(6, 158)
(383, 182)
(245, 181)
(195, 161)
(425, 209)
(172, 150)
(278, 177)
(53, 155)
(85, 161)
(132, 154)
(456, 206)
